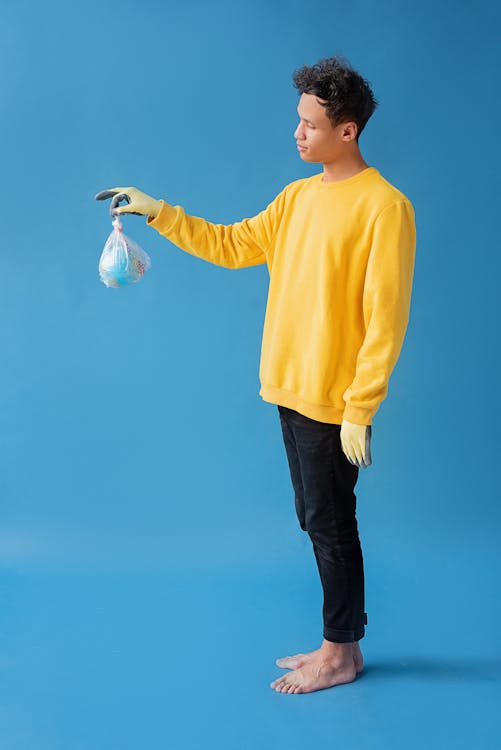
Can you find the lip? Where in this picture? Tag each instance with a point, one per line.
(301, 148)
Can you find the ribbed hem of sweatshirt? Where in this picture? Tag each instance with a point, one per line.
(321, 413)
(164, 218)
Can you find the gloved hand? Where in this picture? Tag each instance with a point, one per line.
(140, 203)
(356, 443)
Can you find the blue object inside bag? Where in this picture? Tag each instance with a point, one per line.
(122, 261)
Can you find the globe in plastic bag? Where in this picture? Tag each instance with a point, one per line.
(122, 261)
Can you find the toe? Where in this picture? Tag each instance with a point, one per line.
(290, 662)
(282, 662)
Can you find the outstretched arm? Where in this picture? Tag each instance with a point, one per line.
(244, 243)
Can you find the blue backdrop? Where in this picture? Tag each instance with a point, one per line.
(152, 567)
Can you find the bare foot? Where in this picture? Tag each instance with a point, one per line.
(298, 660)
(319, 672)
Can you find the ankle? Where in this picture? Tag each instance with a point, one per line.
(336, 648)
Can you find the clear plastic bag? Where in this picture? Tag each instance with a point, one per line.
(122, 261)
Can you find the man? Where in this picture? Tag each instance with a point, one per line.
(340, 249)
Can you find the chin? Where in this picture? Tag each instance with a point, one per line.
(308, 157)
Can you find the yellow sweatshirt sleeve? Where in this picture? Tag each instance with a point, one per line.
(244, 243)
(386, 304)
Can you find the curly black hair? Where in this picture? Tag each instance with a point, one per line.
(349, 96)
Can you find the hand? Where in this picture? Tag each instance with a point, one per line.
(140, 203)
(356, 443)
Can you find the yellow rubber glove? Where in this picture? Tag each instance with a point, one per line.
(356, 443)
(140, 203)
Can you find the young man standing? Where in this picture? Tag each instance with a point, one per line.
(340, 249)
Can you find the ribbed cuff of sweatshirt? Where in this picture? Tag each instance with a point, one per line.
(164, 219)
(357, 415)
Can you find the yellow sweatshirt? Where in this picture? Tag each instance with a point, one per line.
(340, 257)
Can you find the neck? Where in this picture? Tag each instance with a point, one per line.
(344, 167)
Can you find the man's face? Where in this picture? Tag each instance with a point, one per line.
(322, 141)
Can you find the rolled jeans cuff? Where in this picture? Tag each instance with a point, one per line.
(339, 636)
(345, 636)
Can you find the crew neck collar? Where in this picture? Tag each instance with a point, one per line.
(347, 181)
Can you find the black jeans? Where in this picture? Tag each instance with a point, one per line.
(324, 481)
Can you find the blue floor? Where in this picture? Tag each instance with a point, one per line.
(116, 658)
